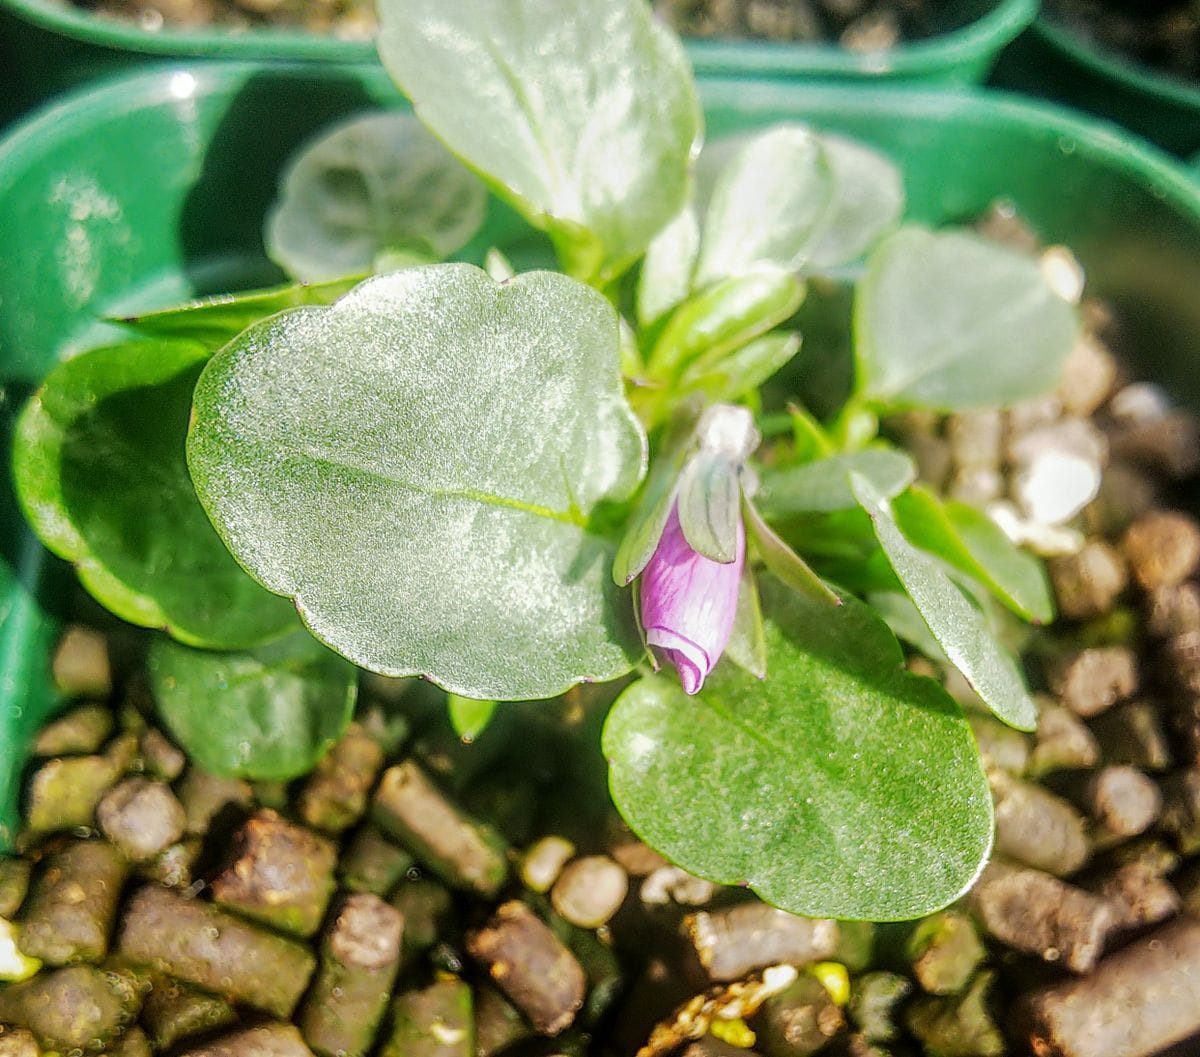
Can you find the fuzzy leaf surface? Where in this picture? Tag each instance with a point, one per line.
(840, 786)
(958, 626)
(950, 321)
(582, 112)
(269, 713)
(415, 466)
(100, 471)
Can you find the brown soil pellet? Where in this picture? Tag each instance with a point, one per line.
(1033, 912)
(216, 951)
(589, 891)
(1094, 680)
(1133, 734)
(80, 664)
(1089, 583)
(1173, 610)
(1139, 1001)
(82, 730)
(1063, 742)
(280, 873)
(735, 941)
(1123, 801)
(17, 1042)
(335, 796)
(1162, 548)
(1181, 657)
(1037, 828)
(73, 903)
(1181, 809)
(163, 759)
(268, 1040)
(141, 817)
(540, 976)
(206, 796)
(1140, 895)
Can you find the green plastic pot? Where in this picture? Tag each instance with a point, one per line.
(1051, 61)
(53, 45)
(153, 187)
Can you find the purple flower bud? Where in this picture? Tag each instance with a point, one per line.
(689, 602)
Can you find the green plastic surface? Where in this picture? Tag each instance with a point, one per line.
(1055, 63)
(53, 44)
(153, 188)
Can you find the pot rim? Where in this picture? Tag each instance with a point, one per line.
(977, 39)
(1113, 66)
(174, 83)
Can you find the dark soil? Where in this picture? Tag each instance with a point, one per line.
(1163, 34)
(417, 895)
(858, 25)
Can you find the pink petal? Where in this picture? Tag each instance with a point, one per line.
(688, 603)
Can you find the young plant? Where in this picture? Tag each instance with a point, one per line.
(513, 481)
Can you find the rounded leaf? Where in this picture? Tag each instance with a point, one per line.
(269, 713)
(373, 183)
(415, 465)
(839, 786)
(99, 465)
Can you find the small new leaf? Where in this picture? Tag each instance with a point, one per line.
(958, 626)
(823, 486)
(709, 499)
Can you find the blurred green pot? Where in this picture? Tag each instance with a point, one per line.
(153, 187)
(1051, 61)
(51, 45)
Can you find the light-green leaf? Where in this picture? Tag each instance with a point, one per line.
(949, 320)
(841, 786)
(743, 371)
(373, 183)
(869, 192)
(958, 626)
(581, 112)
(824, 485)
(213, 321)
(971, 542)
(710, 505)
(769, 207)
(98, 460)
(468, 716)
(666, 276)
(269, 713)
(415, 465)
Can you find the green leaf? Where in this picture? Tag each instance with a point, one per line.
(581, 112)
(953, 321)
(666, 276)
(372, 183)
(213, 321)
(644, 527)
(769, 207)
(743, 371)
(824, 486)
(269, 713)
(747, 646)
(722, 319)
(958, 626)
(98, 460)
(468, 716)
(869, 201)
(710, 505)
(415, 466)
(841, 786)
(968, 540)
(790, 569)
(906, 622)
